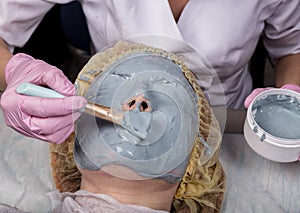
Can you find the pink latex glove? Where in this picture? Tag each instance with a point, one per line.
(257, 91)
(42, 118)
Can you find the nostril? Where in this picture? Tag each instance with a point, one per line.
(131, 103)
(144, 106)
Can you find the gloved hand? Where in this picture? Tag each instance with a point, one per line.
(257, 91)
(42, 118)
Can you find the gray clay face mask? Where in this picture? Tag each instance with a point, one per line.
(163, 109)
(279, 115)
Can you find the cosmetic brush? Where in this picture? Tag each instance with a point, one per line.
(103, 112)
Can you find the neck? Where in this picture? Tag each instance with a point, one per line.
(152, 193)
(177, 7)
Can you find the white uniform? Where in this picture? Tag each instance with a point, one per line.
(225, 31)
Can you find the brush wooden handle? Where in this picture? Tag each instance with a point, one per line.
(105, 113)
(99, 111)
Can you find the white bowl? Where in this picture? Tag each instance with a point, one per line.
(267, 130)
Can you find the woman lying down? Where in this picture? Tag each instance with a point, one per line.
(164, 158)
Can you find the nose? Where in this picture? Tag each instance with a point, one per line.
(139, 101)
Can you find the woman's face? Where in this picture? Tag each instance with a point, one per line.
(158, 100)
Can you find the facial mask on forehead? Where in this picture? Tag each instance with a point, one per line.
(170, 129)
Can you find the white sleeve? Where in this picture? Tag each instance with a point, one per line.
(19, 19)
(282, 31)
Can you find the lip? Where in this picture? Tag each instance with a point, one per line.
(265, 144)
